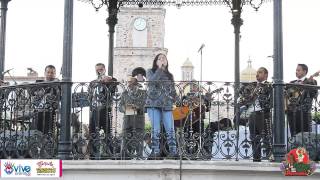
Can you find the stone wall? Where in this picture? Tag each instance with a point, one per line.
(173, 170)
(126, 56)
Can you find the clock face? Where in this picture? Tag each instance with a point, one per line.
(140, 24)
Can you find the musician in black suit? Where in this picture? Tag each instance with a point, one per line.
(299, 113)
(50, 95)
(258, 104)
(101, 90)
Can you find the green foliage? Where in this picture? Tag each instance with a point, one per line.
(316, 117)
(147, 126)
(300, 167)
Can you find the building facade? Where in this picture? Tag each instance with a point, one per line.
(139, 38)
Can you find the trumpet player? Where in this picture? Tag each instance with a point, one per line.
(102, 89)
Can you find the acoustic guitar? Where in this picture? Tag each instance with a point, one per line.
(181, 114)
(296, 92)
(316, 74)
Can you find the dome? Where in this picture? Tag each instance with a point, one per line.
(248, 74)
(187, 63)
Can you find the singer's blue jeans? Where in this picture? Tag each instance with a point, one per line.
(156, 115)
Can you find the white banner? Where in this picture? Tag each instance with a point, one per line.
(30, 168)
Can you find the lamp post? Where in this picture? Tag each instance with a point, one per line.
(278, 115)
(3, 9)
(236, 21)
(112, 20)
(278, 104)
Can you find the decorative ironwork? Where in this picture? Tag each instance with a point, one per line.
(29, 120)
(205, 134)
(97, 4)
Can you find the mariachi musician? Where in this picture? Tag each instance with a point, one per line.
(47, 115)
(101, 90)
(299, 101)
(256, 98)
(132, 105)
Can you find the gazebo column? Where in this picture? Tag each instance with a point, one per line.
(3, 9)
(65, 148)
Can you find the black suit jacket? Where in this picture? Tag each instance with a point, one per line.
(102, 92)
(306, 93)
(250, 92)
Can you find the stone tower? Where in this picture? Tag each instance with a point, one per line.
(187, 70)
(139, 38)
(249, 73)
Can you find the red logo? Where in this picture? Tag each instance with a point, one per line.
(298, 163)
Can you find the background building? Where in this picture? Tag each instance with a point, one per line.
(187, 70)
(249, 73)
(139, 38)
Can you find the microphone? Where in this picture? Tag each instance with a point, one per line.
(5, 72)
(202, 46)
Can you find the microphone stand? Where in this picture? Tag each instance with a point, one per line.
(200, 100)
(13, 79)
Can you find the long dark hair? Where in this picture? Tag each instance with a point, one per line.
(155, 66)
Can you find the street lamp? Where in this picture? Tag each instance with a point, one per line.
(112, 20)
(278, 115)
(3, 18)
(236, 21)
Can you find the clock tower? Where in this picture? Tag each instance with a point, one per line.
(139, 38)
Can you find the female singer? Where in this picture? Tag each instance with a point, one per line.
(160, 98)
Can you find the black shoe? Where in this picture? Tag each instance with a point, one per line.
(256, 160)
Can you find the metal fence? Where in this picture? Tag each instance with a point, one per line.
(117, 121)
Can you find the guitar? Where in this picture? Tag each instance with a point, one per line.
(316, 74)
(180, 114)
(295, 93)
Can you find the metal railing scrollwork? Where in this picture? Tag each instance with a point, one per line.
(110, 121)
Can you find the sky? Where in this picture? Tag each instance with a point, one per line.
(35, 34)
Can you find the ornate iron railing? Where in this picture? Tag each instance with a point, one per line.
(109, 120)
